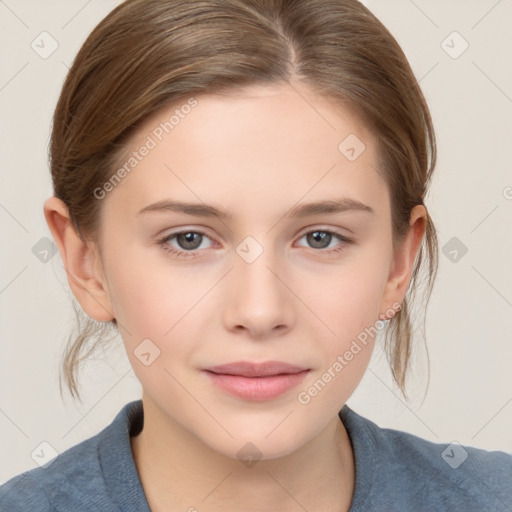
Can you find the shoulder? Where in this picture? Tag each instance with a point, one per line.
(416, 474)
(75, 479)
(23, 493)
(67, 475)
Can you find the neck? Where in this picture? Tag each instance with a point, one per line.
(179, 472)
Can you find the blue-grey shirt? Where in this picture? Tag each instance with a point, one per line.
(395, 471)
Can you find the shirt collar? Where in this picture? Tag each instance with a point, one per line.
(365, 452)
(116, 459)
(122, 478)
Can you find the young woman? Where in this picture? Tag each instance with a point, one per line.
(239, 192)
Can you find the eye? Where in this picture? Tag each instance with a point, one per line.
(322, 238)
(189, 241)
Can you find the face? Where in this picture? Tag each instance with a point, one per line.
(264, 280)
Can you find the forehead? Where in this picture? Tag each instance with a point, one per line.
(280, 142)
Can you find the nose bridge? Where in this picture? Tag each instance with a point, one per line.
(260, 301)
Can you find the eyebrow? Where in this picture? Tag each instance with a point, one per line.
(330, 206)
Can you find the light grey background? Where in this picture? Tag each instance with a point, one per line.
(469, 322)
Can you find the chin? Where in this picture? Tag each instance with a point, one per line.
(254, 446)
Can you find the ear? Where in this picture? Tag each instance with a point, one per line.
(403, 261)
(82, 262)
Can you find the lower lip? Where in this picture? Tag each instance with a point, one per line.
(257, 388)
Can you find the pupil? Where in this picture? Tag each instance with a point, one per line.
(188, 239)
(319, 236)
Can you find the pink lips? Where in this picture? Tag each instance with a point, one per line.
(256, 381)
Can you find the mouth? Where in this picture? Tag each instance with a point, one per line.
(256, 381)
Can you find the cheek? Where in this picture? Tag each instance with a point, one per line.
(157, 308)
(152, 297)
(159, 313)
(348, 298)
(347, 302)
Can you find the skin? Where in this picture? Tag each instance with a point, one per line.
(256, 154)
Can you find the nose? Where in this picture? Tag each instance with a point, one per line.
(259, 300)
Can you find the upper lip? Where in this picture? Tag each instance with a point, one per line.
(252, 369)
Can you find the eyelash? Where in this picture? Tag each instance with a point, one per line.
(163, 242)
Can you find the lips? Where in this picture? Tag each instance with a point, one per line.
(252, 369)
(256, 381)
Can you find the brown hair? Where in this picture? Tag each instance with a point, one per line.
(147, 54)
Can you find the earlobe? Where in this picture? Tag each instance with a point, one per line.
(81, 262)
(403, 261)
